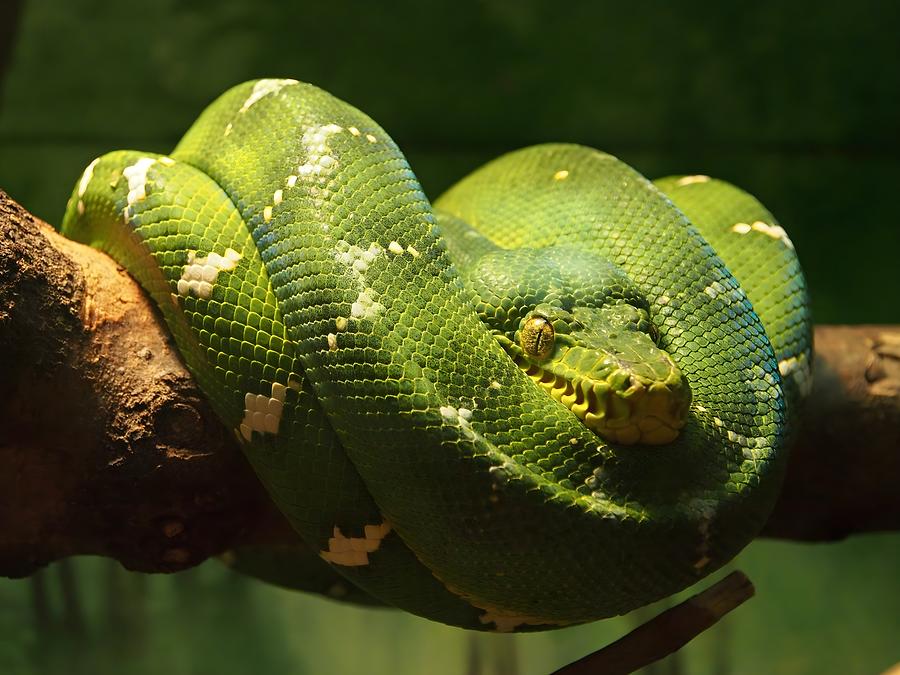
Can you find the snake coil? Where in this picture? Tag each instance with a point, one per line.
(307, 283)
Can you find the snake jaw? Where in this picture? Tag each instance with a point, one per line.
(652, 415)
(611, 397)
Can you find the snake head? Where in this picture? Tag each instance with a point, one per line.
(604, 366)
(581, 329)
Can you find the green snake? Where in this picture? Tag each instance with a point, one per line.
(543, 401)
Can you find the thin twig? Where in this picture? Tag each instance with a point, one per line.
(667, 632)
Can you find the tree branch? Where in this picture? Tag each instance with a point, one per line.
(107, 447)
(842, 475)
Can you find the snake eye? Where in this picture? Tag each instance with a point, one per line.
(537, 337)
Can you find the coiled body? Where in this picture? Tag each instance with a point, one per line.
(305, 279)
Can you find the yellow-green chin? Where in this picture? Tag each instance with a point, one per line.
(651, 413)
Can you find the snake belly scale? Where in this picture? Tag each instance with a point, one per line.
(316, 296)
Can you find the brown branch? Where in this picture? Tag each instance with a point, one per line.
(107, 447)
(842, 476)
(666, 633)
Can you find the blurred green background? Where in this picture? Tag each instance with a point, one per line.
(798, 102)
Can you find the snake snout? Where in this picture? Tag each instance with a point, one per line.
(620, 400)
(651, 413)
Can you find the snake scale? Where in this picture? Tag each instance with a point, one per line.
(544, 401)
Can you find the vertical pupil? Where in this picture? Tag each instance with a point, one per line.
(537, 337)
(540, 338)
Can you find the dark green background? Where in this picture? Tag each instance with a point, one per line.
(798, 102)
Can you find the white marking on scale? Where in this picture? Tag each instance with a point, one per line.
(357, 261)
(332, 342)
(748, 444)
(690, 180)
(264, 88)
(412, 251)
(86, 177)
(460, 417)
(504, 620)
(561, 175)
(136, 174)
(366, 306)
(319, 161)
(318, 157)
(355, 258)
(796, 369)
(507, 622)
(774, 231)
(714, 289)
(200, 274)
(263, 413)
(353, 130)
(786, 366)
(395, 248)
(370, 138)
(354, 551)
(736, 438)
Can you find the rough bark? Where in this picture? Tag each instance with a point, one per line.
(107, 447)
(843, 471)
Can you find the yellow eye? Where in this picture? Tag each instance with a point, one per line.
(537, 337)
